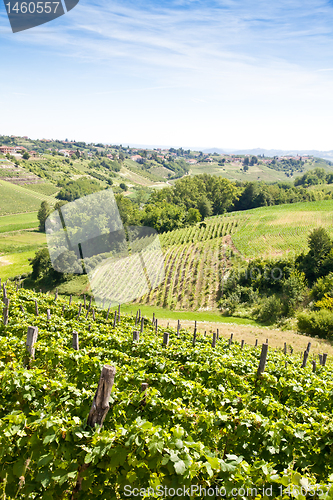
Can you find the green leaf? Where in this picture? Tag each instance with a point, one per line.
(180, 467)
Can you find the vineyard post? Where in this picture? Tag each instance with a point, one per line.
(231, 336)
(63, 310)
(48, 314)
(79, 313)
(4, 292)
(308, 347)
(242, 344)
(115, 319)
(84, 301)
(90, 301)
(22, 308)
(256, 343)
(194, 337)
(107, 314)
(214, 339)
(166, 336)
(32, 335)
(314, 366)
(40, 290)
(324, 359)
(266, 341)
(285, 348)
(156, 325)
(217, 334)
(56, 295)
(136, 336)
(320, 359)
(93, 314)
(205, 334)
(70, 299)
(305, 358)
(142, 323)
(263, 358)
(75, 341)
(5, 312)
(153, 321)
(136, 318)
(36, 308)
(178, 328)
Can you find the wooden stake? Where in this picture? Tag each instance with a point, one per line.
(256, 344)
(136, 336)
(314, 365)
(305, 358)
(70, 299)
(5, 312)
(93, 314)
(285, 348)
(48, 314)
(242, 344)
(79, 313)
(36, 308)
(320, 359)
(144, 387)
(178, 328)
(308, 347)
(32, 335)
(56, 295)
(100, 404)
(115, 319)
(194, 337)
(166, 338)
(214, 339)
(142, 324)
(22, 308)
(156, 325)
(217, 334)
(63, 310)
(324, 359)
(263, 358)
(75, 342)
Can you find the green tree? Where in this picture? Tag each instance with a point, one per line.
(43, 214)
(193, 216)
(26, 155)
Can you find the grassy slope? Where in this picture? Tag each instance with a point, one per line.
(19, 221)
(16, 199)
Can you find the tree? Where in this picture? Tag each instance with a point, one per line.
(123, 186)
(193, 216)
(43, 214)
(26, 155)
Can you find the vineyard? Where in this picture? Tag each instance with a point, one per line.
(194, 260)
(184, 411)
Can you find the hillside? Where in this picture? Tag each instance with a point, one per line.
(15, 199)
(184, 409)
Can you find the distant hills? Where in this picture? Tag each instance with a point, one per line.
(327, 155)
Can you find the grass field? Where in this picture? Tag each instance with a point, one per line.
(18, 221)
(45, 188)
(277, 230)
(15, 264)
(16, 199)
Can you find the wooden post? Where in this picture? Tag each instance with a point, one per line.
(79, 313)
(70, 299)
(5, 313)
(32, 335)
(4, 292)
(84, 301)
(75, 342)
(324, 359)
(263, 358)
(136, 336)
(285, 348)
(205, 333)
(320, 359)
(142, 324)
(156, 325)
(305, 358)
(107, 315)
(22, 308)
(115, 319)
(266, 341)
(194, 337)
(166, 338)
(256, 344)
(90, 301)
(56, 295)
(291, 350)
(242, 344)
(36, 308)
(48, 314)
(153, 322)
(308, 347)
(136, 318)
(144, 387)
(100, 404)
(217, 334)
(178, 328)
(214, 339)
(93, 314)
(231, 336)
(314, 365)
(63, 310)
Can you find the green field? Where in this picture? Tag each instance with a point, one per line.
(17, 222)
(16, 199)
(277, 230)
(44, 188)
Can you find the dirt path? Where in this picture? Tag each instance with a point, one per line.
(4, 262)
(249, 333)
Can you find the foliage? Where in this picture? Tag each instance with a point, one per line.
(270, 310)
(319, 323)
(72, 190)
(323, 286)
(325, 303)
(43, 214)
(207, 420)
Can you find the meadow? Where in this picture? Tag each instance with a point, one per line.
(17, 199)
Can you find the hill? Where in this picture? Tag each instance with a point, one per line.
(15, 199)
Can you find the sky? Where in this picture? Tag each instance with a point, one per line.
(191, 73)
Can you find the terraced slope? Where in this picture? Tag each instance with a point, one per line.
(17, 199)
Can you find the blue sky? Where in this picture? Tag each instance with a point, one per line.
(233, 74)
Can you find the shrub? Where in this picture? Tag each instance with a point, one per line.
(316, 323)
(270, 310)
(322, 287)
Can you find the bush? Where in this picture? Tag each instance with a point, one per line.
(322, 287)
(270, 310)
(318, 323)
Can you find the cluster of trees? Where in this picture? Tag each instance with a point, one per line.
(314, 177)
(72, 190)
(111, 165)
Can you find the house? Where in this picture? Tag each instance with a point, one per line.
(137, 158)
(191, 161)
(4, 150)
